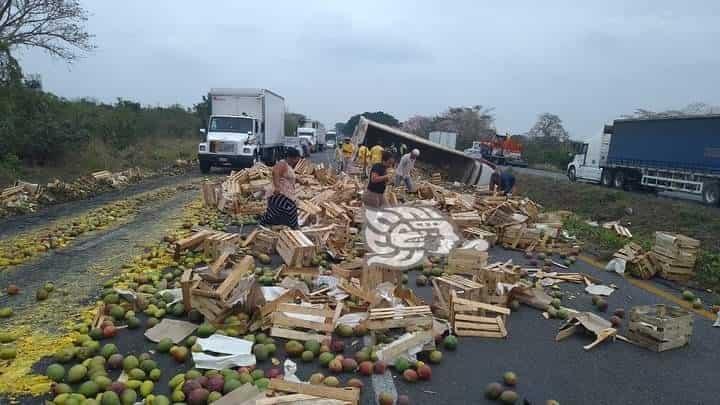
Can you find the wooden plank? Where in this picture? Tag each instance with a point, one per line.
(298, 399)
(474, 318)
(219, 263)
(400, 346)
(348, 394)
(424, 323)
(490, 327)
(481, 305)
(305, 310)
(467, 333)
(280, 319)
(244, 266)
(250, 238)
(295, 334)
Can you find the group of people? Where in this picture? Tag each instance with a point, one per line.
(282, 207)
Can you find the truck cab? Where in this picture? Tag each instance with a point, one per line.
(309, 135)
(586, 165)
(229, 141)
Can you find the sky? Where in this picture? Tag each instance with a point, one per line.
(588, 62)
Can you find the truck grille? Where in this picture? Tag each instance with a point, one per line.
(222, 147)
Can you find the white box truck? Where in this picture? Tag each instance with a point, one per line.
(314, 133)
(245, 126)
(446, 139)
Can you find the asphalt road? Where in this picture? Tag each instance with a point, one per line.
(559, 176)
(612, 373)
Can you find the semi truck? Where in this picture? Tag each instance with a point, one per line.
(314, 133)
(245, 126)
(500, 149)
(659, 154)
(331, 138)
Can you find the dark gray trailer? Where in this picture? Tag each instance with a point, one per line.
(674, 154)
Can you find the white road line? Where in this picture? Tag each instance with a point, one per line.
(381, 382)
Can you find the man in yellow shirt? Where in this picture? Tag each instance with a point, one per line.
(376, 154)
(347, 152)
(363, 156)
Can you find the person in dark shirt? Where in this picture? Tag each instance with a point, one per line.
(502, 181)
(374, 196)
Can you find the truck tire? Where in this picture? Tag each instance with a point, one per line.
(571, 174)
(205, 167)
(607, 178)
(711, 193)
(619, 180)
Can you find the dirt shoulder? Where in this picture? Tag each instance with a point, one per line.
(642, 213)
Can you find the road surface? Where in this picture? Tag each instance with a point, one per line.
(612, 373)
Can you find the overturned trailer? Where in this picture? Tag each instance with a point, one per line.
(458, 166)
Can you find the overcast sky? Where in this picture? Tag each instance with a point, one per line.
(588, 62)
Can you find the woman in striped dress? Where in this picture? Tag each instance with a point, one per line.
(281, 207)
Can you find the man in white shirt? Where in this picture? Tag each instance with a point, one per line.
(404, 168)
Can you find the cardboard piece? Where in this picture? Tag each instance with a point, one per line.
(173, 329)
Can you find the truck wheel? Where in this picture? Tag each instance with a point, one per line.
(607, 178)
(205, 167)
(711, 193)
(571, 174)
(619, 181)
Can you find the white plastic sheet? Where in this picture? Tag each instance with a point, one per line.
(234, 353)
(617, 265)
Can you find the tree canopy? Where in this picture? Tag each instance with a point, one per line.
(56, 26)
(549, 126)
(378, 116)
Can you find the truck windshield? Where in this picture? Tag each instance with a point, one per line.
(231, 124)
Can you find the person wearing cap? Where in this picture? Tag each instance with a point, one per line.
(404, 169)
(376, 154)
(347, 153)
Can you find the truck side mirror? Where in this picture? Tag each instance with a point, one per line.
(202, 131)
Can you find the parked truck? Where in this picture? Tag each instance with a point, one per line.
(314, 133)
(331, 138)
(662, 154)
(245, 126)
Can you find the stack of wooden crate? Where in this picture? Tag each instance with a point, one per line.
(473, 318)
(675, 255)
(660, 328)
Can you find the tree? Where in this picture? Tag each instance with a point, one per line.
(471, 124)
(56, 26)
(419, 125)
(292, 122)
(549, 126)
(378, 116)
(202, 110)
(696, 108)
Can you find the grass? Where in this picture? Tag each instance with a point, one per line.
(643, 214)
(152, 153)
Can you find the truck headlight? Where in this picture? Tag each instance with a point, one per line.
(246, 150)
(201, 148)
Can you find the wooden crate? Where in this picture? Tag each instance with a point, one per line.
(216, 300)
(675, 255)
(466, 261)
(296, 249)
(472, 318)
(374, 275)
(495, 273)
(660, 327)
(265, 242)
(211, 192)
(479, 233)
(409, 318)
(286, 326)
(463, 287)
(215, 244)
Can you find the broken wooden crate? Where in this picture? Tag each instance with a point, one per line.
(304, 322)
(296, 249)
(660, 327)
(218, 242)
(463, 287)
(494, 274)
(408, 318)
(374, 275)
(472, 318)
(215, 300)
(676, 255)
(348, 395)
(639, 263)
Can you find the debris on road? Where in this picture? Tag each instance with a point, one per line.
(660, 327)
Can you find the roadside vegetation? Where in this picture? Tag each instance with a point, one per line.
(643, 214)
